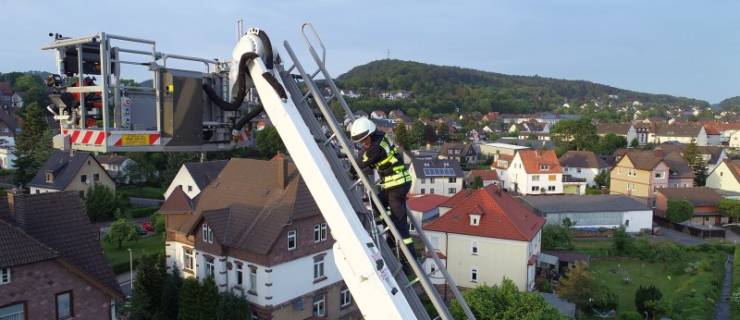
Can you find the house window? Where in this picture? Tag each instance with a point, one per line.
(319, 232)
(96, 177)
(423, 191)
(535, 188)
(552, 177)
(292, 239)
(253, 279)
(544, 167)
(474, 247)
(453, 180)
(4, 276)
(630, 186)
(190, 188)
(345, 298)
(535, 177)
(14, 311)
(473, 274)
(578, 170)
(319, 306)
(431, 190)
(474, 219)
(550, 188)
(49, 177)
(423, 180)
(452, 190)
(432, 268)
(210, 267)
(188, 257)
(64, 305)
(207, 233)
(239, 274)
(659, 175)
(83, 178)
(318, 268)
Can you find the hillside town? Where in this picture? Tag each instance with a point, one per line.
(255, 190)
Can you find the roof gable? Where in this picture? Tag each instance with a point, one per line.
(582, 159)
(501, 217)
(539, 161)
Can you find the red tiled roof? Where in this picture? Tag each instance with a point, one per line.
(484, 174)
(718, 127)
(501, 217)
(534, 159)
(457, 199)
(177, 203)
(426, 202)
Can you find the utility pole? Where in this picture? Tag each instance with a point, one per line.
(131, 269)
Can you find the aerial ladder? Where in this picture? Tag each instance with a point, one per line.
(315, 138)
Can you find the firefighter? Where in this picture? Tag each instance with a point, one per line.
(381, 154)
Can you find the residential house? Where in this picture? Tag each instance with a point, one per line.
(535, 172)
(703, 199)
(349, 94)
(385, 125)
(9, 124)
(711, 155)
(583, 164)
(494, 149)
(267, 241)
(534, 136)
(490, 116)
(714, 135)
(118, 167)
(725, 177)
(378, 114)
(645, 132)
(51, 263)
(464, 153)
(484, 226)
(193, 177)
(424, 208)
(488, 177)
(726, 130)
(7, 157)
(528, 127)
(592, 212)
(734, 140)
(683, 133)
(436, 176)
(6, 95)
(626, 130)
(641, 173)
(501, 166)
(70, 171)
(534, 144)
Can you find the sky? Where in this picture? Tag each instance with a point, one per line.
(684, 48)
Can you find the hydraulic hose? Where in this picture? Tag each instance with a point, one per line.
(241, 86)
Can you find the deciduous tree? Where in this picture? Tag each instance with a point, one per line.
(33, 144)
(504, 302)
(121, 231)
(268, 142)
(679, 210)
(101, 203)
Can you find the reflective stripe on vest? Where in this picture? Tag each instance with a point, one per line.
(398, 174)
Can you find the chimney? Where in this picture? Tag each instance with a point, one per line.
(282, 170)
(13, 207)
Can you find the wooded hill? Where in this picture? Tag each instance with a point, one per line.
(443, 88)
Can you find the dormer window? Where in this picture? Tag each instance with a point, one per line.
(49, 177)
(544, 167)
(474, 219)
(207, 233)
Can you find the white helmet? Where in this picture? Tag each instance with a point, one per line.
(361, 128)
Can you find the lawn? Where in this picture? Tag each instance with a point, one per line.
(119, 259)
(691, 283)
(140, 192)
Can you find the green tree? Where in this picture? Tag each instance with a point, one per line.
(209, 299)
(121, 230)
(577, 286)
(232, 307)
(33, 144)
(148, 288)
(430, 137)
(634, 143)
(557, 237)
(268, 142)
(646, 299)
(730, 208)
(477, 183)
(504, 302)
(101, 203)
(679, 210)
(693, 156)
(622, 242)
(189, 301)
(417, 133)
(610, 143)
(575, 134)
(403, 138)
(170, 294)
(443, 132)
(602, 179)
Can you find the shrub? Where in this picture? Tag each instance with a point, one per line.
(679, 210)
(622, 241)
(142, 212)
(630, 315)
(646, 299)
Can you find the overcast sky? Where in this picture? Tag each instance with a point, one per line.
(686, 48)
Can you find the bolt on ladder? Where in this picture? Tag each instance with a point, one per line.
(336, 145)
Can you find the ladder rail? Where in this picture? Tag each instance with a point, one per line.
(321, 64)
(428, 287)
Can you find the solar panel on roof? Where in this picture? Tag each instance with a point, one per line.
(439, 172)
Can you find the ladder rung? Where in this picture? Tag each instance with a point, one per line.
(315, 73)
(291, 68)
(328, 140)
(305, 96)
(411, 283)
(357, 182)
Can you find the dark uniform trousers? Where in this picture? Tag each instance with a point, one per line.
(395, 199)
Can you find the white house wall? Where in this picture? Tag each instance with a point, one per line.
(184, 179)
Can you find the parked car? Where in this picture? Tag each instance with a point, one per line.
(147, 226)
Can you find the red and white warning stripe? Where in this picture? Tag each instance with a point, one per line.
(89, 137)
